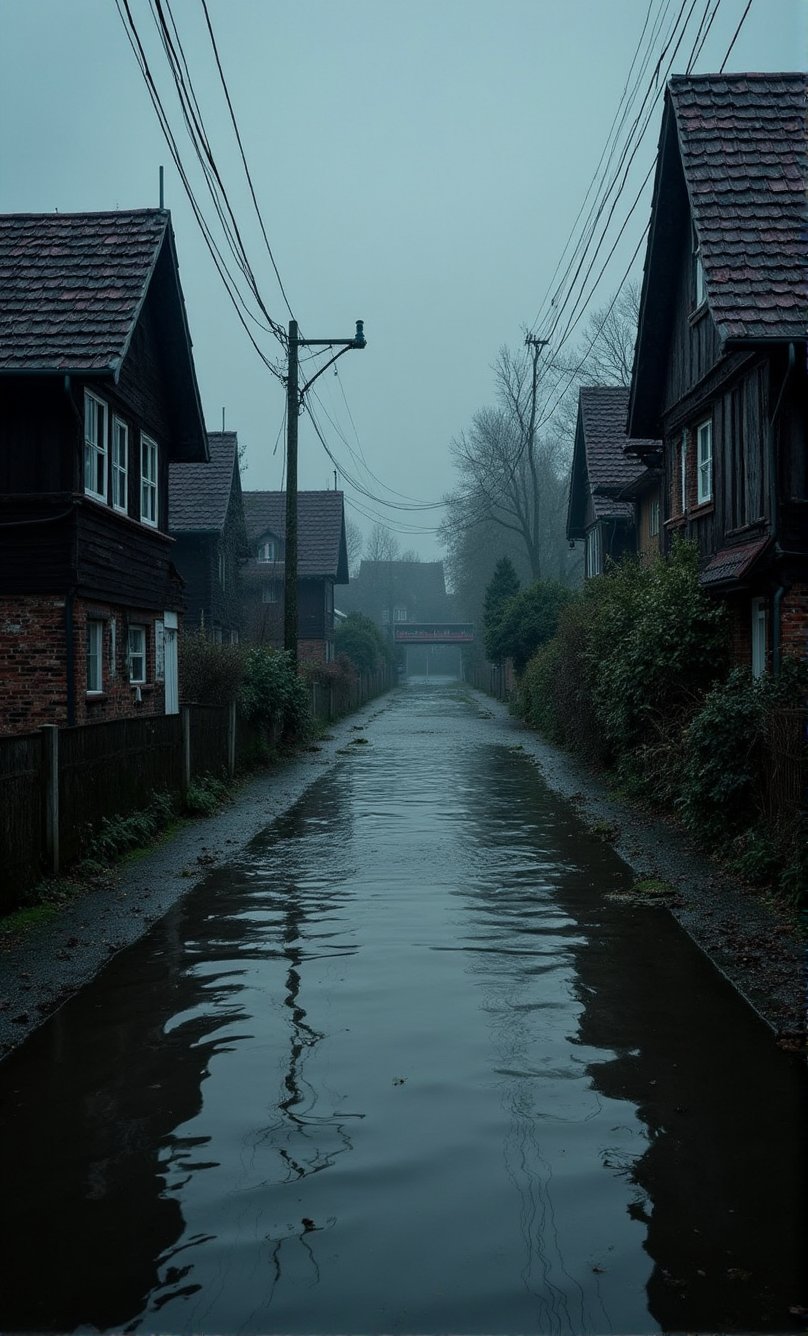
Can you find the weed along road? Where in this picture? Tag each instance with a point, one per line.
(407, 1065)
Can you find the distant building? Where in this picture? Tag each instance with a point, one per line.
(206, 520)
(322, 562)
(398, 591)
(606, 485)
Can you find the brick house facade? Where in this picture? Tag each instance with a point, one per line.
(97, 395)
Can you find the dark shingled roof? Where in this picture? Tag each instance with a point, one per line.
(744, 145)
(199, 494)
(72, 285)
(731, 564)
(603, 410)
(320, 530)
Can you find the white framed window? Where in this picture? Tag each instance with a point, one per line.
(120, 465)
(653, 518)
(399, 614)
(148, 480)
(385, 616)
(217, 635)
(683, 474)
(95, 657)
(760, 636)
(234, 637)
(266, 550)
(113, 647)
(269, 593)
(96, 429)
(593, 544)
(704, 452)
(137, 654)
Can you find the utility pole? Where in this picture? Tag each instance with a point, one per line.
(294, 402)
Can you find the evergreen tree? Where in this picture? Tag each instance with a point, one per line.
(503, 586)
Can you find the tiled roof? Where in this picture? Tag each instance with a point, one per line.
(603, 411)
(72, 285)
(320, 529)
(744, 148)
(733, 563)
(199, 494)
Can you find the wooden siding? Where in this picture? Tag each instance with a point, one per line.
(40, 436)
(694, 346)
(122, 561)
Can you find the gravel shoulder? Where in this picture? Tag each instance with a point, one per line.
(46, 965)
(756, 945)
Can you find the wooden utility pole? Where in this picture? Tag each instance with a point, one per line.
(294, 399)
(290, 557)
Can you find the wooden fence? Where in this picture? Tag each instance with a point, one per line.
(22, 804)
(58, 785)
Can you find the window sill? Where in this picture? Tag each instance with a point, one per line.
(699, 313)
(676, 522)
(703, 508)
(91, 697)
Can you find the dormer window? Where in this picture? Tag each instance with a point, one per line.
(699, 290)
(266, 550)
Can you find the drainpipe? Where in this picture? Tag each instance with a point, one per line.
(779, 593)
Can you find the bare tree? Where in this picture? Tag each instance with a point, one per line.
(613, 334)
(509, 470)
(382, 545)
(353, 543)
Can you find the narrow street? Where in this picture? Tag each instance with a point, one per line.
(406, 1067)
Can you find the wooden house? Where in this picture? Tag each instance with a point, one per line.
(322, 562)
(98, 395)
(612, 497)
(720, 364)
(206, 520)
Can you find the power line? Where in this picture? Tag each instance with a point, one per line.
(735, 36)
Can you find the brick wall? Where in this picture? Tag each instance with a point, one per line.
(311, 651)
(794, 621)
(33, 680)
(33, 664)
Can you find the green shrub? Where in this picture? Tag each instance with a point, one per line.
(273, 695)
(528, 621)
(210, 674)
(657, 644)
(502, 587)
(204, 795)
(360, 640)
(118, 834)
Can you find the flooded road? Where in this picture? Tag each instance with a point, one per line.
(404, 1067)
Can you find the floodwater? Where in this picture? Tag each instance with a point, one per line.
(404, 1068)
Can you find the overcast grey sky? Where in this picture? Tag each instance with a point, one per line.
(418, 165)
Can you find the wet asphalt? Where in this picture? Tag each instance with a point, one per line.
(411, 1060)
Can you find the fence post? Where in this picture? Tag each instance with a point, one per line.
(231, 738)
(50, 756)
(331, 702)
(186, 747)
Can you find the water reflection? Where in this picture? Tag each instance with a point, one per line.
(692, 1089)
(405, 1068)
(96, 1149)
